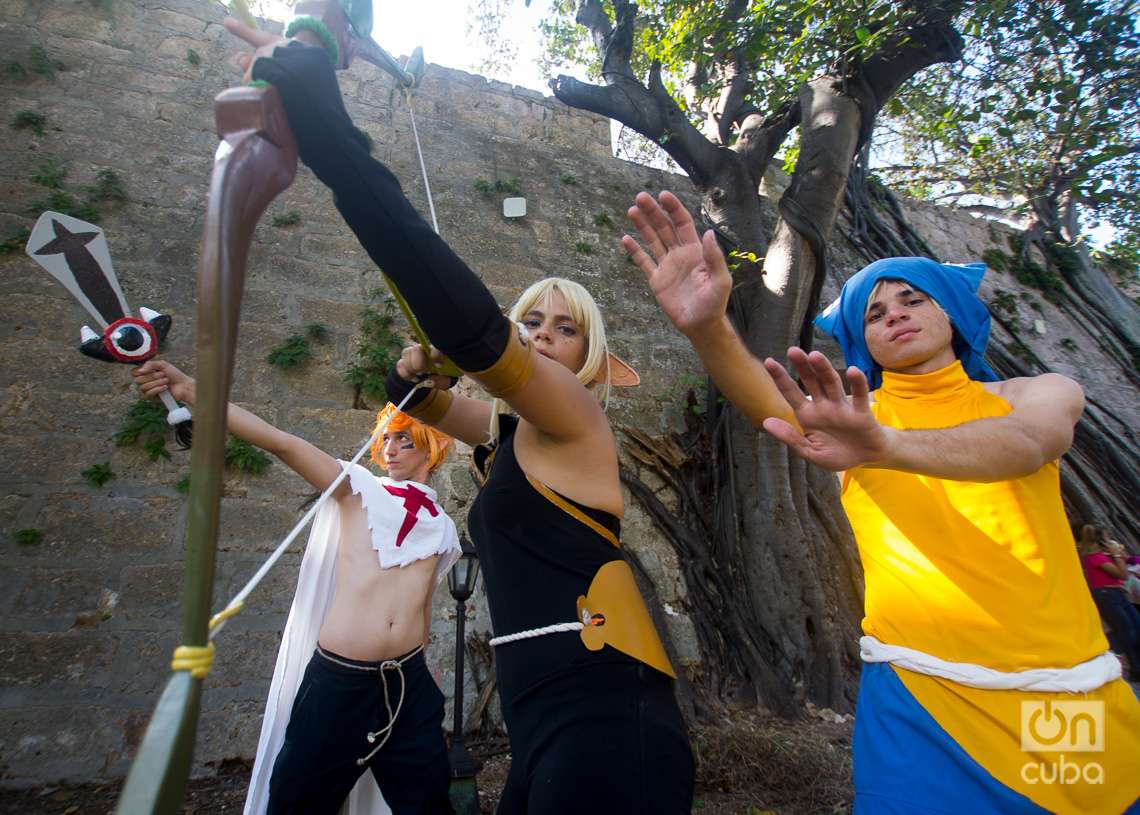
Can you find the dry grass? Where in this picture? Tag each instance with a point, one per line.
(753, 762)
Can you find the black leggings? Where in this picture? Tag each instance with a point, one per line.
(451, 303)
(336, 708)
(607, 738)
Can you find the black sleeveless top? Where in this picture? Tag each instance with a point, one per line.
(538, 551)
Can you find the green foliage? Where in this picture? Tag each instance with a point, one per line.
(317, 332)
(736, 257)
(1032, 301)
(569, 179)
(583, 248)
(29, 537)
(145, 425)
(40, 63)
(513, 186)
(155, 448)
(1044, 107)
(379, 349)
(29, 120)
(1027, 270)
(1121, 257)
(290, 218)
(183, 485)
(604, 219)
(66, 203)
(193, 57)
(50, 174)
(107, 187)
(996, 259)
(16, 241)
(290, 353)
(244, 457)
(15, 69)
(1004, 301)
(98, 474)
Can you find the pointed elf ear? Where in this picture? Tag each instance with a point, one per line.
(621, 374)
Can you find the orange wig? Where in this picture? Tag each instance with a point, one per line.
(425, 437)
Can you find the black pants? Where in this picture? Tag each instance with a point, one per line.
(336, 707)
(1123, 625)
(607, 739)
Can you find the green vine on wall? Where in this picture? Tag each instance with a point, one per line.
(146, 426)
(379, 349)
(98, 474)
(243, 457)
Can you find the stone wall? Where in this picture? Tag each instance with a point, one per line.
(89, 614)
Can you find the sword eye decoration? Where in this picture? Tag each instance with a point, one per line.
(75, 253)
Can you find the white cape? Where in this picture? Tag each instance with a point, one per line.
(315, 584)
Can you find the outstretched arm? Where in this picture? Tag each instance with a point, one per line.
(690, 279)
(455, 308)
(312, 464)
(839, 433)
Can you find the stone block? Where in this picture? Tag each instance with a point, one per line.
(81, 658)
(250, 525)
(57, 742)
(101, 529)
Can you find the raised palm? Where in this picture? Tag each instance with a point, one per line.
(687, 273)
(835, 432)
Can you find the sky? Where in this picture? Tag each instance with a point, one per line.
(440, 27)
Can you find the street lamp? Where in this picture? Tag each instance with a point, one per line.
(464, 767)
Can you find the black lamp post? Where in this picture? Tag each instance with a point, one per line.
(464, 767)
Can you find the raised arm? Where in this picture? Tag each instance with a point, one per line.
(839, 433)
(690, 279)
(312, 464)
(455, 309)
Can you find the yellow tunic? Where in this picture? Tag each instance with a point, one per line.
(986, 574)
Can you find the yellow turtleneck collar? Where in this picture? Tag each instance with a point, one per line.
(943, 383)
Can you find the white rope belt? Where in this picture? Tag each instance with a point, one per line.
(531, 633)
(389, 664)
(1081, 678)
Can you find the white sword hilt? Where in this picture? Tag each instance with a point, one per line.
(175, 413)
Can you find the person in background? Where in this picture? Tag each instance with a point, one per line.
(1106, 571)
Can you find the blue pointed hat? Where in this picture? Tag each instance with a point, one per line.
(954, 287)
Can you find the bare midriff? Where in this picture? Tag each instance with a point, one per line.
(376, 613)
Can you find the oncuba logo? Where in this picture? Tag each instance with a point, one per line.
(1060, 726)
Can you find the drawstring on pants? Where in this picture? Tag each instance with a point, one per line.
(388, 664)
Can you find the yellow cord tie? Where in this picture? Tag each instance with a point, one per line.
(226, 613)
(197, 659)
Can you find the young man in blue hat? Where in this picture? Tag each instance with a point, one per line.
(987, 683)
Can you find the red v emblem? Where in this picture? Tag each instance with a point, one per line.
(414, 501)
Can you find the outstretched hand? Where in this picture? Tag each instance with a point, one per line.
(686, 272)
(838, 433)
(263, 42)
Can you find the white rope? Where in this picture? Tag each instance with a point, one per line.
(386, 730)
(530, 633)
(269, 563)
(423, 167)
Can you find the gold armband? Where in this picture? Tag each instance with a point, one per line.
(433, 407)
(511, 371)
